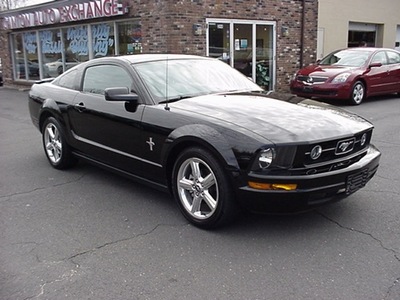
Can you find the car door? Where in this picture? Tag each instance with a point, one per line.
(107, 131)
(377, 77)
(394, 71)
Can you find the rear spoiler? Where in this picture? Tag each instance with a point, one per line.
(44, 80)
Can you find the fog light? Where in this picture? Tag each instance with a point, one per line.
(272, 186)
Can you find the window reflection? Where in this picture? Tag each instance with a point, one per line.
(26, 56)
(52, 47)
(62, 48)
(103, 40)
(98, 78)
(75, 46)
(130, 37)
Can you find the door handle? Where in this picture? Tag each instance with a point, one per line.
(80, 107)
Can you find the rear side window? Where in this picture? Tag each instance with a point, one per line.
(394, 58)
(67, 80)
(98, 78)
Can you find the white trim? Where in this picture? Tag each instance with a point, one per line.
(84, 140)
(366, 27)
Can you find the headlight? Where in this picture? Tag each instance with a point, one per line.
(341, 78)
(274, 158)
(266, 157)
(363, 139)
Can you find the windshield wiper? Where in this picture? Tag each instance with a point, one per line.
(180, 97)
(242, 92)
(175, 99)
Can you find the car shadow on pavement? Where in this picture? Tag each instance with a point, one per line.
(106, 189)
(344, 103)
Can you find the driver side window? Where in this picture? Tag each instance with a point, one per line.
(379, 57)
(98, 78)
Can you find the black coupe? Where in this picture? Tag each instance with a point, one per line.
(201, 130)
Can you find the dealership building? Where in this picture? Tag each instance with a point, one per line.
(265, 40)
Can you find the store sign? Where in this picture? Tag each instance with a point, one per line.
(67, 13)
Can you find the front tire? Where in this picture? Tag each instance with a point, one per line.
(202, 189)
(55, 146)
(357, 93)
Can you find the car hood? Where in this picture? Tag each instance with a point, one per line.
(274, 120)
(326, 71)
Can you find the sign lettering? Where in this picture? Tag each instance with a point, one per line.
(67, 13)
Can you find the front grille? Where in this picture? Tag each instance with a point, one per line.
(312, 79)
(314, 92)
(332, 157)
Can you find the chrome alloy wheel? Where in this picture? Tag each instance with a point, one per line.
(53, 143)
(197, 188)
(358, 93)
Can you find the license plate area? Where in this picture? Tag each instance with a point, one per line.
(308, 89)
(356, 181)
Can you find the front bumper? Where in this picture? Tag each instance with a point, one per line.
(325, 90)
(312, 190)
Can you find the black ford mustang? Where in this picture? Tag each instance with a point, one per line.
(199, 129)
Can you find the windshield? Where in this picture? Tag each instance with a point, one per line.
(348, 58)
(191, 77)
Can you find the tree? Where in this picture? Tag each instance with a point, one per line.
(13, 4)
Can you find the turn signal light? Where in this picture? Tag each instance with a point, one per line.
(272, 186)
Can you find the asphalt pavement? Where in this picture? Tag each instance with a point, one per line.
(87, 233)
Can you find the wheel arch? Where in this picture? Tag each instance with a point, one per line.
(50, 109)
(196, 135)
(363, 81)
(350, 98)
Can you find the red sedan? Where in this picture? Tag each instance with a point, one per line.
(350, 74)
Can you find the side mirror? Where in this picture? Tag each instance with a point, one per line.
(375, 65)
(120, 94)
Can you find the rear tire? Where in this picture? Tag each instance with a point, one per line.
(55, 146)
(357, 93)
(202, 189)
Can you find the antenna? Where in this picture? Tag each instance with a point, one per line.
(166, 85)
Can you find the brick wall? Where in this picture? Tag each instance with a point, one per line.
(5, 56)
(167, 27)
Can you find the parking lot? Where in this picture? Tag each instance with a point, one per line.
(86, 233)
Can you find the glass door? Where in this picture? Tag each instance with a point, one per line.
(243, 49)
(264, 56)
(219, 41)
(248, 46)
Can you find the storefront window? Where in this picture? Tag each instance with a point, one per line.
(31, 53)
(19, 60)
(52, 47)
(103, 40)
(76, 46)
(130, 38)
(62, 48)
(26, 56)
